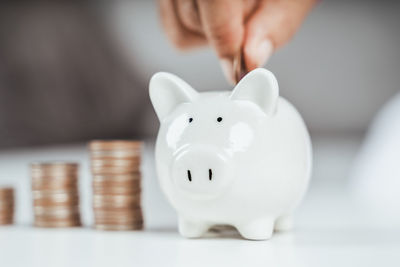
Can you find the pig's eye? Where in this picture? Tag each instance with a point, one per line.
(219, 119)
(190, 120)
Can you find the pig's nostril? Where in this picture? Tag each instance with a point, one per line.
(209, 174)
(189, 175)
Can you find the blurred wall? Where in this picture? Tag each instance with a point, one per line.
(62, 78)
(339, 69)
(71, 71)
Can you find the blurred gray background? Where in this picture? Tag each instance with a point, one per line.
(73, 72)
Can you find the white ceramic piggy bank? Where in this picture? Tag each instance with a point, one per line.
(241, 158)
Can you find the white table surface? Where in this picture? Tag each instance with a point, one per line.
(330, 229)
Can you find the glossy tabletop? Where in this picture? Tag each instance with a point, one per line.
(330, 229)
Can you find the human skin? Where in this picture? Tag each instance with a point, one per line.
(255, 28)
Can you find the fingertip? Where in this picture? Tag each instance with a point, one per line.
(265, 49)
(227, 69)
(257, 53)
(223, 26)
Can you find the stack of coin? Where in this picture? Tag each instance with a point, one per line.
(6, 205)
(116, 174)
(55, 194)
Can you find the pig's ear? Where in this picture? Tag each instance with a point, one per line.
(167, 91)
(260, 87)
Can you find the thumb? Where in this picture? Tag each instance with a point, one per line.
(223, 27)
(270, 27)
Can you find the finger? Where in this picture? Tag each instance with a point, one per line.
(189, 15)
(249, 6)
(222, 22)
(178, 35)
(271, 26)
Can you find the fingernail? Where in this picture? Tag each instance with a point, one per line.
(227, 68)
(264, 52)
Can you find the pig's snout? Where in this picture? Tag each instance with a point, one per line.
(189, 174)
(201, 171)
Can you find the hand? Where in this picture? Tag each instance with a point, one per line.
(255, 28)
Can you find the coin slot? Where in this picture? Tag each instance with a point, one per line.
(210, 174)
(189, 175)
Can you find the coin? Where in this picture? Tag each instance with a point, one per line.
(114, 227)
(133, 183)
(116, 184)
(6, 192)
(115, 162)
(56, 224)
(115, 170)
(116, 177)
(54, 184)
(239, 66)
(116, 201)
(59, 212)
(54, 165)
(116, 190)
(116, 154)
(57, 217)
(57, 201)
(6, 221)
(118, 212)
(6, 215)
(6, 205)
(55, 194)
(53, 168)
(115, 145)
(119, 220)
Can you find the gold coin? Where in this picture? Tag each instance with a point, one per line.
(52, 218)
(115, 145)
(56, 224)
(118, 221)
(55, 198)
(113, 162)
(64, 178)
(6, 192)
(53, 193)
(115, 154)
(54, 185)
(6, 215)
(56, 212)
(6, 207)
(116, 190)
(116, 201)
(239, 66)
(119, 215)
(115, 170)
(59, 201)
(6, 221)
(54, 175)
(116, 177)
(54, 165)
(6, 201)
(134, 183)
(108, 227)
(48, 168)
(115, 212)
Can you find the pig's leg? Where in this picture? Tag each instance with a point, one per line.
(260, 229)
(284, 223)
(191, 229)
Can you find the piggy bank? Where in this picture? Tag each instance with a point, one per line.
(240, 158)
